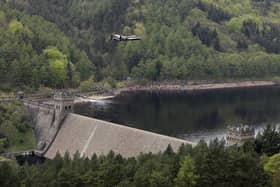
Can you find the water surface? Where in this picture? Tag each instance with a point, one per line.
(190, 115)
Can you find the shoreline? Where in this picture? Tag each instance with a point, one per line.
(169, 87)
(196, 86)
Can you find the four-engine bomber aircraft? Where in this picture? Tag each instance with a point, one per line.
(119, 38)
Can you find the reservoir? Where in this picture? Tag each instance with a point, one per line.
(190, 115)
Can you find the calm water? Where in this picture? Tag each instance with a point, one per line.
(190, 115)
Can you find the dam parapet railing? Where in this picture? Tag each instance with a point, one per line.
(38, 104)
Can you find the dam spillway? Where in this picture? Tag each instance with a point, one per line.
(90, 136)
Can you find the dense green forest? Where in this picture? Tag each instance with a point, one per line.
(16, 133)
(182, 39)
(66, 43)
(35, 52)
(255, 164)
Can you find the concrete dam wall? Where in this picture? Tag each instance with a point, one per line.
(45, 123)
(91, 136)
(58, 130)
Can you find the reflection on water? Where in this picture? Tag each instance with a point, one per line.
(190, 115)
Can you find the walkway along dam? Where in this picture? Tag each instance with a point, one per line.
(58, 129)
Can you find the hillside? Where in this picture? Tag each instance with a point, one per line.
(16, 133)
(35, 52)
(182, 39)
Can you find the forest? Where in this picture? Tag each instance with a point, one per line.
(35, 52)
(66, 44)
(181, 40)
(254, 164)
(16, 132)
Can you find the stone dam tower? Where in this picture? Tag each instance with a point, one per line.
(48, 116)
(239, 135)
(63, 105)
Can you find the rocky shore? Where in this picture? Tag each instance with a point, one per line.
(172, 87)
(194, 86)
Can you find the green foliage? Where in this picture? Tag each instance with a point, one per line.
(273, 167)
(29, 47)
(169, 48)
(52, 53)
(273, 164)
(87, 85)
(58, 72)
(15, 27)
(186, 176)
(15, 128)
(8, 175)
(110, 83)
(269, 141)
(236, 23)
(240, 167)
(59, 67)
(202, 165)
(217, 14)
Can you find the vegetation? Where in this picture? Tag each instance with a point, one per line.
(269, 141)
(273, 168)
(15, 129)
(203, 165)
(34, 52)
(182, 39)
(66, 43)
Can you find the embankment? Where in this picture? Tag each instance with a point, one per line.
(172, 87)
(192, 86)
